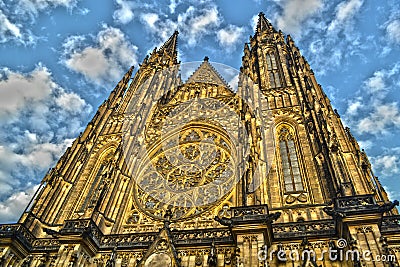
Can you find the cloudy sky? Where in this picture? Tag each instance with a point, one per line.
(59, 59)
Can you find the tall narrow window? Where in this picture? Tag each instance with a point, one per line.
(290, 163)
(91, 198)
(273, 71)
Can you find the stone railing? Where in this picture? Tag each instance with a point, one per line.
(17, 231)
(391, 224)
(303, 229)
(355, 202)
(46, 244)
(136, 240)
(202, 236)
(249, 211)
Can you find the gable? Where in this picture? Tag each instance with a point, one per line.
(206, 73)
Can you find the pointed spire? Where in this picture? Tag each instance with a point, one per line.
(119, 90)
(168, 52)
(263, 24)
(246, 57)
(128, 75)
(171, 45)
(125, 79)
(122, 84)
(246, 49)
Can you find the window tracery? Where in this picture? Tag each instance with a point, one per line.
(194, 184)
(290, 163)
(273, 71)
(99, 184)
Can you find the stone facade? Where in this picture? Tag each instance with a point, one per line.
(196, 173)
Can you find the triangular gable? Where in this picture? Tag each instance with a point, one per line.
(206, 73)
(161, 253)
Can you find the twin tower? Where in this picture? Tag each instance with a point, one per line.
(256, 171)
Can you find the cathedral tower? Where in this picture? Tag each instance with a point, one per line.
(203, 172)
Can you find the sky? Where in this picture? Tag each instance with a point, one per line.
(59, 59)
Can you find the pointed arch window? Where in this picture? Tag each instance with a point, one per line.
(97, 185)
(290, 163)
(273, 71)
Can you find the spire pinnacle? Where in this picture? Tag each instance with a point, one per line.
(167, 54)
(263, 24)
(170, 47)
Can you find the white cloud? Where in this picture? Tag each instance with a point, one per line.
(17, 90)
(37, 92)
(193, 24)
(7, 28)
(37, 154)
(377, 85)
(11, 208)
(345, 11)
(371, 112)
(353, 108)
(17, 18)
(229, 36)
(200, 23)
(150, 19)
(8, 161)
(380, 119)
(105, 61)
(74, 42)
(196, 23)
(42, 155)
(17, 170)
(393, 30)
(124, 14)
(172, 6)
(377, 82)
(91, 62)
(327, 54)
(38, 119)
(387, 164)
(295, 13)
(36, 6)
(339, 40)
(71, 102)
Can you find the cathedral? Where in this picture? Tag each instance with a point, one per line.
(200, 171)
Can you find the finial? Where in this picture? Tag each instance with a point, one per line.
(206, 58)
(263, 24)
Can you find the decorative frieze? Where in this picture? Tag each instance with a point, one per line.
(304, 229)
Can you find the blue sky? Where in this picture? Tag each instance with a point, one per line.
(59, 59)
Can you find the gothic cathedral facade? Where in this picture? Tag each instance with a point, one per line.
(194, 172)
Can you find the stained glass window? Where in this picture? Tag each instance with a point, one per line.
(290, 163)
(273, 71)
